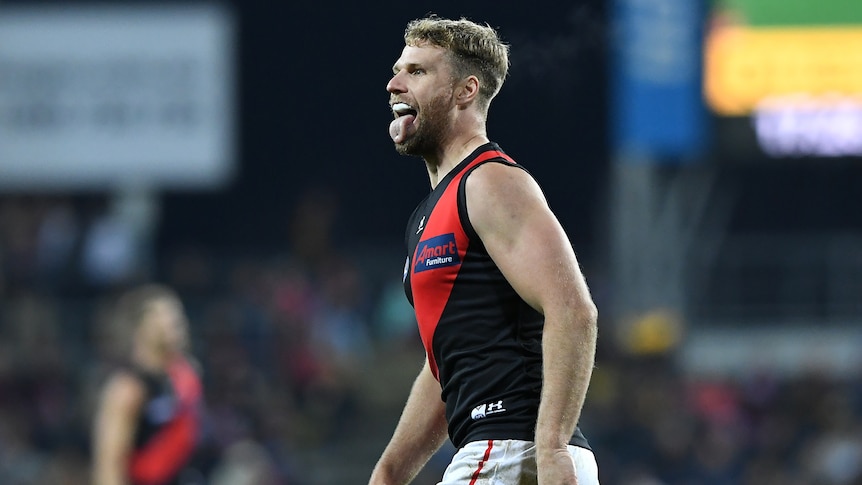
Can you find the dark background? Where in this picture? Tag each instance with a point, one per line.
(313, 115)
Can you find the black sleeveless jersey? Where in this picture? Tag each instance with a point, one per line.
(483, 342)
(168, 425)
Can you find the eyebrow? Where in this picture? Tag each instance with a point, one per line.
(409, 65)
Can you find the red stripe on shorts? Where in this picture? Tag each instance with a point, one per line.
(482, 463)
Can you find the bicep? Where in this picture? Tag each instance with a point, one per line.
(524, 238)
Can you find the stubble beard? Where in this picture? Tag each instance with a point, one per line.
(429, 135)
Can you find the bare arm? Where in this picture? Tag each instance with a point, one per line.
(420, 432)
(114, 429)
(525, 239)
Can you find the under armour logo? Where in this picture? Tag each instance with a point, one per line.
(484, 410)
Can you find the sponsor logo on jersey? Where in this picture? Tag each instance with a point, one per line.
(484, 410)
(436, 252)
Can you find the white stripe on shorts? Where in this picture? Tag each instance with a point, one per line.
(510, 462)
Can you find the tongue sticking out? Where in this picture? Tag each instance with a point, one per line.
(402, 127)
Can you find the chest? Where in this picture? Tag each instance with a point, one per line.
(436, 244)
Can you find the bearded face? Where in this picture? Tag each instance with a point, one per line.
(421, 95)
(431, 124)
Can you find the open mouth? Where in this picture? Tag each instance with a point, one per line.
(403, 109)
(404, 124)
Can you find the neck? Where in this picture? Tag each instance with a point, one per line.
(151, 359)
(451, 154)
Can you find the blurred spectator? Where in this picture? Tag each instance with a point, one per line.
(110, 256)
(18, 233)
(58, 237)
(245, 463)
(394, 320)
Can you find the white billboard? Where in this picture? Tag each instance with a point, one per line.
(96, 97)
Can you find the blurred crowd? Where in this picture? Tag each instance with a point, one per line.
(293, 344)
(651, 424)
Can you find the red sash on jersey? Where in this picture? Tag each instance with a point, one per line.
(434, 287)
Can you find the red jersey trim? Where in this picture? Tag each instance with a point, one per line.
(165, 454)
(437, 285)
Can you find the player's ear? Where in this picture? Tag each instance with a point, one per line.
(467, 90)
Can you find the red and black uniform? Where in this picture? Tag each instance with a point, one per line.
(484, 343)
(168, 426)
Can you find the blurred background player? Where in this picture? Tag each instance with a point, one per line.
(147, 425)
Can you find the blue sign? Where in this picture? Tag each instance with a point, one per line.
(657, 107)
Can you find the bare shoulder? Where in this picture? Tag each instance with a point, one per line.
(124, 389)
(503, 179)
(498, 193)
(510, 214)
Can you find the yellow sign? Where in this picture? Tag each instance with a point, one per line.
(745, 65)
